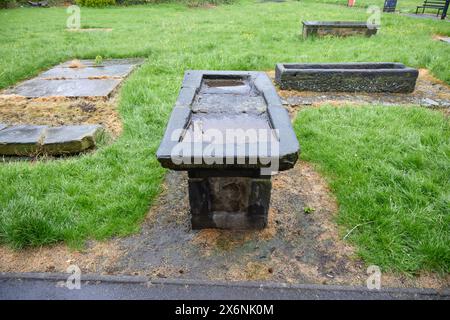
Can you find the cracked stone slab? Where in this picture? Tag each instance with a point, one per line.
(30, 140)
(108, 62)
(90, 80)
(21, 140)
(3, 126)
(35, 88)
(121, 70)
(70, 139)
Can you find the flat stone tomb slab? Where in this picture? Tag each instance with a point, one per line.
(347, 77)
(120, 70)
(229, 187)
(30, 140)
(337, 28)
(37, 87)
(87, 80)
(21, 140)
(70, 139)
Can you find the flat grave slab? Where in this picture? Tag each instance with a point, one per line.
(21, 140)
(70, 139)
(30, 140)
(86, 80)
(3, 126)
(121, 70)
(35, 88)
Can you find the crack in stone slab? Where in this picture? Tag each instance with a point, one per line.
(87, 79)
(28, 140)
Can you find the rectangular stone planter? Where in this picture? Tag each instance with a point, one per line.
(337, 28)
(347, 77)
(229, 130)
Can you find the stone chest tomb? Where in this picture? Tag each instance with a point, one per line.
(337, 28)
(347, 77)
(229, 131)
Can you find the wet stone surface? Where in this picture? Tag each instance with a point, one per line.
(30, 140)
(77, 79)
(21, 140)
(337, 28)
(429, 92)
(227, 187)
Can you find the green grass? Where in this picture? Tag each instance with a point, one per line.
(108, 193)
(390, 170)
(402, 5)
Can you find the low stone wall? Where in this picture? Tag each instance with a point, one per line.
(337, 28)
(347, 77)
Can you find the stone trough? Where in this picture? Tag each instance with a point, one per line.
(32, 140)
(347, 77)
(338, 28)
(228, 129)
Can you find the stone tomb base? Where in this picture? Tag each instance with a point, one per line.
(229, 199)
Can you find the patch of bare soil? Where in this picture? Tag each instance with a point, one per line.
(429, 92)
(99, 257)
(57, 111)
(296, 247)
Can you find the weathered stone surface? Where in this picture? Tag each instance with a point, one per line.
(3, 126)
(35, 88)
(21, 140)
(233, 202)
(337, 28)
(120, 70)
(30, 140)
(347, 77)
(106, 62)
(229, 194)
(90, 80)
(228, 100)
(70, 139)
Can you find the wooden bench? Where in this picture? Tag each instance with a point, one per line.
(432, 4)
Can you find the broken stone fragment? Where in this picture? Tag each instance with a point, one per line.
(30, 140)
(21, 140)
(70, 139)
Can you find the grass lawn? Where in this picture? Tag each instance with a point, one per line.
(389, 168)
(402, 5)
(108, 193)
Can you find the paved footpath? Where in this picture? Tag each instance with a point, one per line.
(53, 286)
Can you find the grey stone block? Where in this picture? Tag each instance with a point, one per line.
(231, 202)
(106, 62)
(337, 28)
(90, 80)
(347, 77)
(229, 195)
(35, 88)
(70, 139)
(120, 70)
(22, 140)
(3, 126)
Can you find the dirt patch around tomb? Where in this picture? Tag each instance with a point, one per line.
(296, 247)
(57, 111)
